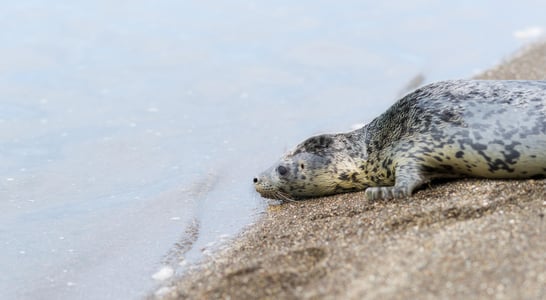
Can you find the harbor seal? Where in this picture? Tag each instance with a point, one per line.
(448, 129)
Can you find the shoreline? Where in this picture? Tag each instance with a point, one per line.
(471, 238)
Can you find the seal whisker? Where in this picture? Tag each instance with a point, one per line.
(284, 196)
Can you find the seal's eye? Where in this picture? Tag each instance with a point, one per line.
(282, 170)
(302, 166)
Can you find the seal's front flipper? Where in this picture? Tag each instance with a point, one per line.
(407, 179)
(386, 192)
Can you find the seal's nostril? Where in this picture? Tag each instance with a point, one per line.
(255, 180)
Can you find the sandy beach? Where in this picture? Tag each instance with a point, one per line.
(461, 239)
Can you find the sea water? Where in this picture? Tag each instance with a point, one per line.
(130, 131)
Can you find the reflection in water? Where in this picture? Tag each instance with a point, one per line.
(113, 115)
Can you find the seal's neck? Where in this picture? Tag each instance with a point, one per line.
(357, 139)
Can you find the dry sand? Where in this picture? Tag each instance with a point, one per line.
(463, 239)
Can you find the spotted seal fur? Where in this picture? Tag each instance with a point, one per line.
(448, 129)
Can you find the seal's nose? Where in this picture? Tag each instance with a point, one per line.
(255, 180)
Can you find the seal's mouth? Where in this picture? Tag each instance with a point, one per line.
(277, 195)
(267, 191)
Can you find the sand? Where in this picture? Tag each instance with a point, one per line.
(462, 239)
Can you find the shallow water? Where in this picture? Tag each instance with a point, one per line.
(130, 131)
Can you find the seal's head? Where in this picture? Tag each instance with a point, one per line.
(321, 165)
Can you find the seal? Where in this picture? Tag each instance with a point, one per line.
(448, 129)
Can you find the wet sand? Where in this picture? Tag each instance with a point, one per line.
(462, 239)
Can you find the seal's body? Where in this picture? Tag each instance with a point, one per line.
(449, 129)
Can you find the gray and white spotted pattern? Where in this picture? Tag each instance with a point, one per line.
(449, 129)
